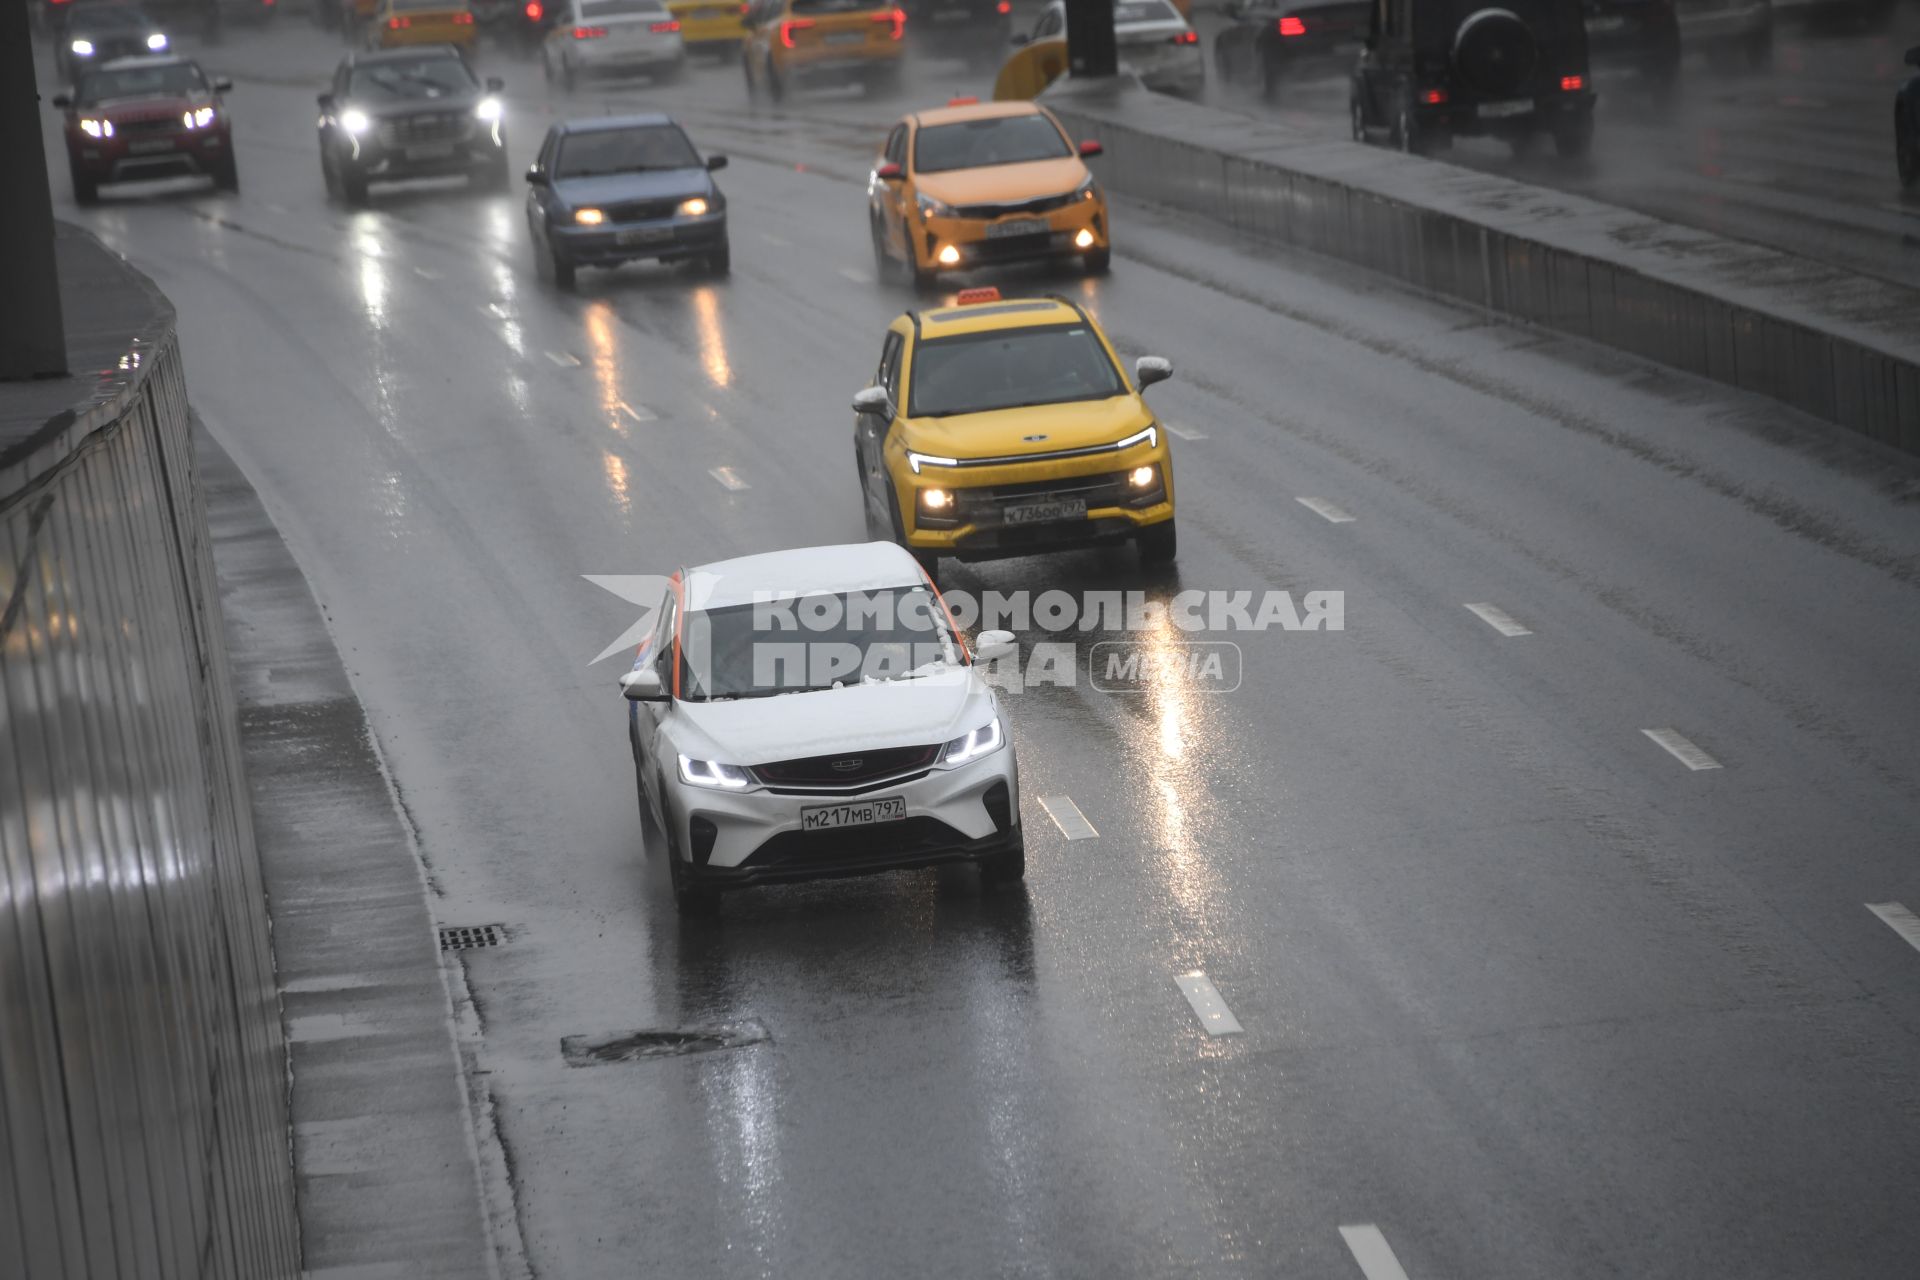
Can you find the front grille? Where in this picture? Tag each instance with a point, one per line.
(1007, 248)
(983, 506)
(413, 130)
(847, 768)
(703, 833)
(879, 842)
(640, 210)
(152, 124)
(1045, 204)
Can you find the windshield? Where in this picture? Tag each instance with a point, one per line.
(1010, 369)
(1129, 12)
(109, 19)
(592, 10)
(659, 146)
(142, 82)
(411, 80)
(816, 642)
(1004, 140)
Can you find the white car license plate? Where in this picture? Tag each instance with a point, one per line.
(1500, 110)
(846, 37)
(1018, 227)
(643, 235)
(864, 814)
(438, 152)
(1042, 512)
(147, 146)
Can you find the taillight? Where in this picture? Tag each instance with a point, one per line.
(1292, 26)
(588, 33)
(665, 28)
(1004, 8)
(463, 19)
(399, 24)
(1572, 83)
(534, 12)
(898, 17)
(1187, 37)
(790, 26)
(1432, 97)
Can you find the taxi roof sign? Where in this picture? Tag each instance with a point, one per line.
(968, 101)
(967, 297)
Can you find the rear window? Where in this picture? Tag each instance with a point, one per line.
(1132, 11)
(636, 150)
(1001, 140)
(109, 19)
(592, 9)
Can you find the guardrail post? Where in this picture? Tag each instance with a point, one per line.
(33, 334)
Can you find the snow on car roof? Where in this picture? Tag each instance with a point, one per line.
(803, 571)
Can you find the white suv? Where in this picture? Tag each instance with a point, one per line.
(814, 713)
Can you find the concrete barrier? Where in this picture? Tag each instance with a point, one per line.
(1840, 346)
(143, 1077)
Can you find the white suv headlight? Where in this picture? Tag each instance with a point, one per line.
(711, 773)
(968, 747)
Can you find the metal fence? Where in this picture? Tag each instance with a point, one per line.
(143, 1079)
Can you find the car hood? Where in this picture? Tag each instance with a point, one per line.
(613, 188)
(1079, 424)
(866, 717)
(146, 107)
(1005, 183)
(448, 103)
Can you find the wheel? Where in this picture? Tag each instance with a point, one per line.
(691, 901)
(1406, 131)
(495, 177)
(1099, 262)
(226, 176)
(1158, 543)
(924, 280)
(1359, 115)
(1005, 867)
(883, 269)
(1222, 60)
(85, 189)
(753, 85)
(776, 86)
(562, 269)
(720, 261)
(1574, 138)
(929, 561)
(1906, 154)
(353, 188)
(327, 177)
(568, 77)
(546, 66)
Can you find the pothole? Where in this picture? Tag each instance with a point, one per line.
(636, 1046)
(465, 937)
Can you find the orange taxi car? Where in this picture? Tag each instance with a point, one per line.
(978, 184)
(789, 42)
(395, 24)
(710, 26)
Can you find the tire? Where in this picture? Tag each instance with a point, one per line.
(86, 191)
(1406, 132)
(719, 263)
(227, 176)
(927, 560)
(562, 270)
(1906, 154)
(753, 85)
(924, 281)
(495, 177)
(1158, 543)
(885, 269)
(689, 900)
(568, 76)
(353, 189)
(1099, 262)
(1004, 868)
(1359, 118)
(776, 87)
(1222, 60)
(1572, 139)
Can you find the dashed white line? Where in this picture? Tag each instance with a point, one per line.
(1371, 1250)
(728, 479)
(425, 274)
(565, 359)
(1321, 507)
(1898, 919)
(1682, 749)
(1215, 1018)
(1499, 619)
(1185, 433)
(1066, 815)
(638, 413)
(856, 275)
(770, 238)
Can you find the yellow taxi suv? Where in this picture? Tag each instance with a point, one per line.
(1006, 427)
(396, 24)
(710, 26)
(979, 184)
(837, 42)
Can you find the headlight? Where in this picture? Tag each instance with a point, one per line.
(355, 121)
(1143, 477)
(711, 773)
(985, 740)
(198, 118)
(936, 499)
(82, 48)
(156, 42)
(589, 217)
(694, 208)
(931, 208)
(488, 109)
(97, 128)
(919, 460)
(1151, 437)
(1087, 190)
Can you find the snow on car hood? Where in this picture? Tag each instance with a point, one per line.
(868, 717)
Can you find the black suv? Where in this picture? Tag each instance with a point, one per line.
(416, 112)
(1435, 69)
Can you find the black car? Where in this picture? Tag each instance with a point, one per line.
(1266, 40)
(1906, 126)
(618, 189)
(410, 113)
(1435, 69)
(1641, 36)
(977, 30)
(94, 34)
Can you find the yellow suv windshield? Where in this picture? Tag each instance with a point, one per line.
(1010, 369)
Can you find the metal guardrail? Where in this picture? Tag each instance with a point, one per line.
(143, 1077)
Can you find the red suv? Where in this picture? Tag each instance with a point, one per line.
(151, 117)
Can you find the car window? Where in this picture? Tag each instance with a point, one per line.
(591, 10)
(1128, 12)
(890, 365)
(661, 653)
(135, 82)
(1050, 24)
(412, 79)
(760, 650)
(980, 372)
(636, 150)
(999, 140)
(109, 19)
(896, 150)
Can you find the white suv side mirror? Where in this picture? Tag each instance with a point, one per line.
(642, 684)
(1148, 370)
(991, 645)
(874, 400)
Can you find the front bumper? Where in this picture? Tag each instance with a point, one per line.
(827, 64)
(1542, 112)
(129, 158)
(379, 158)
(599, 56)
(981, 528)
(952, 815)
(663, 239)
(978, 245)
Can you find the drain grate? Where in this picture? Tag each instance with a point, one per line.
(636, 1046)
(465, 937)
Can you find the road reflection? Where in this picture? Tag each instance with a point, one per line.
(713, 337)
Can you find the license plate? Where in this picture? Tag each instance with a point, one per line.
(439, 152)
(1018, 227)
(847, 37)
(147, 146)
(1611, 22)
(1498, 110)
(1043, 512)
(864, 814)
(643, 235)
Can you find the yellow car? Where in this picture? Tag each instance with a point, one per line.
(1006, 427)
(978, 184)
(790, 42)
(398, 23)
(710, 26)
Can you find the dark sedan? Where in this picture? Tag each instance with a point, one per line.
(1267, 40)
(410, 113)
(621, 189)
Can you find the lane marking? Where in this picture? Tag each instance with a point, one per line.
(641, 414)
(1499, 619)
(1215, 1018)
(425, 274)
(565, 359)
(856, 275)
(1371, 1250)
(1066, 815)
(1898, 919)
(1681, 749)
(728, 479)
(1185, 433)
(770, 238)
(1320, 506)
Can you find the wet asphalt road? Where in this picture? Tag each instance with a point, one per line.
(1519, 988)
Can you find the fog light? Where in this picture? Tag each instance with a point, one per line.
(1083, 239)
(589, 217)
(936, 499)
(948, 256)
(1141, 477)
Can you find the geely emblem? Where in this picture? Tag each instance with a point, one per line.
(847, 766)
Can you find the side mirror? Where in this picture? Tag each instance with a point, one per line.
(716, 163)
(222, 84)
(62, 100)
(1148, 370)
(1089, 149)
(991, 645)
(495, 84)
(874, 400)
(890, 172)
(642, 684)
(537, 176)
(1021, 39)
(326, 101)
